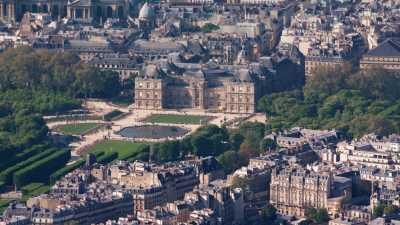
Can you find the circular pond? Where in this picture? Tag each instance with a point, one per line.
(152, 131)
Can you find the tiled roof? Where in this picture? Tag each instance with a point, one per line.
(389, 48)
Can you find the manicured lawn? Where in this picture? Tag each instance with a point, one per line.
(177, 119)
(33, 189)
(122, 102)
(76, 128)
(125, 149)
(4, 204)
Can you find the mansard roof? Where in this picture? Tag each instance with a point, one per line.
(388, 48)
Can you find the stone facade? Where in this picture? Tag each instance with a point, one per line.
(293, 191)
(386, 55)
(217, 90)
(81, 10)
(313, 64)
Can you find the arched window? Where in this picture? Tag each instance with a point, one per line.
(54, 11)
(99, 12)
(109, 12)
(34, 8)
(120, 12)
(24, 8)
(45, 8)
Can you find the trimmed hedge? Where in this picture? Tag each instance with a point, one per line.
(2, 186)
(27, 153)
(98, 154)
(7, 174)
(111, 115)
(107, 158)
(63, 171)
(134, 154)
(40, 170)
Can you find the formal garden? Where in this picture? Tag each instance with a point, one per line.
(76, 128)
(109, 150)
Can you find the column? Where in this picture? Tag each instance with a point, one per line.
(1, 10)
(115, 13)
(10, 13)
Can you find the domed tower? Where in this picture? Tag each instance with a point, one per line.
(146, 19)
(243, 56)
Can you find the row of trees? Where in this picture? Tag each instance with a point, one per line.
(387, 210)
(354, 102)
(34, 83)
(41, 170)
(232, 148)
(29, 69)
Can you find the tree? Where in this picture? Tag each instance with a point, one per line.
(356, 103)
(239, 182)
(201, 145)
(230, 161)
(168, 151)
(236, 139)
(322, 216)
(268, 145)
(318, 216)
(249, 148)
(268, 214)
(378, 210)
(209, 27)
(391, 211)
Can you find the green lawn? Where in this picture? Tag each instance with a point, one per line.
(76, 128)
(177, 119)
(33, 189)
(125, 149)
(122, 102)
(4, 204)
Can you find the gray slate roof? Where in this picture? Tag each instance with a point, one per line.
(388, 48)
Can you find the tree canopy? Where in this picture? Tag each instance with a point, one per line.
(353, 102)
(34, 83)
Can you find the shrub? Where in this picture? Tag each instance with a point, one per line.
(65, 170)
(7, 174)
(112, 115)
(40, 170)
(107, 158)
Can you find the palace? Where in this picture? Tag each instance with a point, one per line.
(86, 11)
(231, 89)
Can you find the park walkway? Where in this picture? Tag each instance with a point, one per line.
(135, 118)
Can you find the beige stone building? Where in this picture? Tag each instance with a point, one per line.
(386, 55)
(205, 88)
(292, 191)
(80, 10)
(313, 64)
(153, 185)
